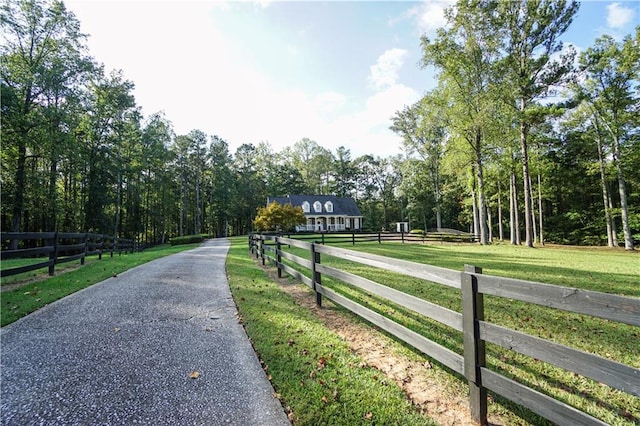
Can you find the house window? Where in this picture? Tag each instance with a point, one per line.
(317, 206)
(305, 207)
(328, 206)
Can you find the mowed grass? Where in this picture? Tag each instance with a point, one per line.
(612, 271)
(318, 379)
(15, 304)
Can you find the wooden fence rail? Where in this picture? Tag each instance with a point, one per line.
(361, 237)
(57, 248)
(476, 332)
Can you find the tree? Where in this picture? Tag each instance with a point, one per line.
(221, 190)
(42, 55)
(530, 31)
(314, 163)
(423, 128)
(344, 173)
(465, 53)
(279, 217)
(381, 178)
(109, 106)
(611, 70)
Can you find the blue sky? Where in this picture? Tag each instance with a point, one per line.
(273, 71)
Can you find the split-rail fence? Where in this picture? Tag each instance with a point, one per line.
(476, 332)
(49, 249)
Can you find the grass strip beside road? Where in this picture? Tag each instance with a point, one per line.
(313, 371)
(30, 297)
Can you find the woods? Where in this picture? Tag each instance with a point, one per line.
(523, 139)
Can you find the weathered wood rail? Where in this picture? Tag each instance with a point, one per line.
(476, 332)
(49, 249)
(362, 237)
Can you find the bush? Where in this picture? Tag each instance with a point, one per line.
(187, 239)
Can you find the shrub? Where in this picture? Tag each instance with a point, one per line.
(187, 239)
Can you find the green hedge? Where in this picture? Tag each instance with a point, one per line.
(187, 239)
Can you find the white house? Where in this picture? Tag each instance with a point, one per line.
(324, 212)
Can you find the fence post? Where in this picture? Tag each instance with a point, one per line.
(53, 256)
(474, 347)
(402, 236)
(101, 246)
(353, 238)
(322, 237)
(316, 276)
(379, 238)
(262, 252)
(86, 247)
(113, 245)
(279, 257)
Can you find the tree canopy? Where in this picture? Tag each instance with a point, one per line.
(518, 141)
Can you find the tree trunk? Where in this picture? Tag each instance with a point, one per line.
(515, 219)
(603, 184)
(500, 231)
(540, 209)
(489, 225)
(526, 179)
(438, 202)
(614, 229)
(482, 204)
(624, 208)
(51, 219)
(474, 213)
(533, 212)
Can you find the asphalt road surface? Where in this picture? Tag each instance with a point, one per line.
(157, 345)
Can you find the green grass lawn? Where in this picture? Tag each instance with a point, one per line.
(15, 304)
(612, 271)
(314, 372)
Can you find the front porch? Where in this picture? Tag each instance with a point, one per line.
(330, 224)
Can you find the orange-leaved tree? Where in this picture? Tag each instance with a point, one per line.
(278, 217)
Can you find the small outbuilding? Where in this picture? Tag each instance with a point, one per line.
(325, 212)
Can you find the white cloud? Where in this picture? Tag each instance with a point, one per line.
(429, 15)
(619, 16)
(385, 71)
(184, 65)
(330, 101)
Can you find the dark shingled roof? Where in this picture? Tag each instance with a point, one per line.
(341, 206)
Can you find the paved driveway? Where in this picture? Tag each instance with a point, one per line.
(126, 351)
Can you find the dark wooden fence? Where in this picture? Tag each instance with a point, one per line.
(362, 237)
(49, 249)
(473, 285)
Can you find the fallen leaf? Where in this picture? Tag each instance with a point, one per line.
(325, 399)
(368, 416)
(116, 329)
(321, 363)
(291, 342)
(194, 375)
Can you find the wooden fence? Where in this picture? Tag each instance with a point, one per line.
(404, 237)
(57, 248)
(475, 330)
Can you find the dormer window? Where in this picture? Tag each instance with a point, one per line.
(328, 206)
(317, 207)
(306, 207)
